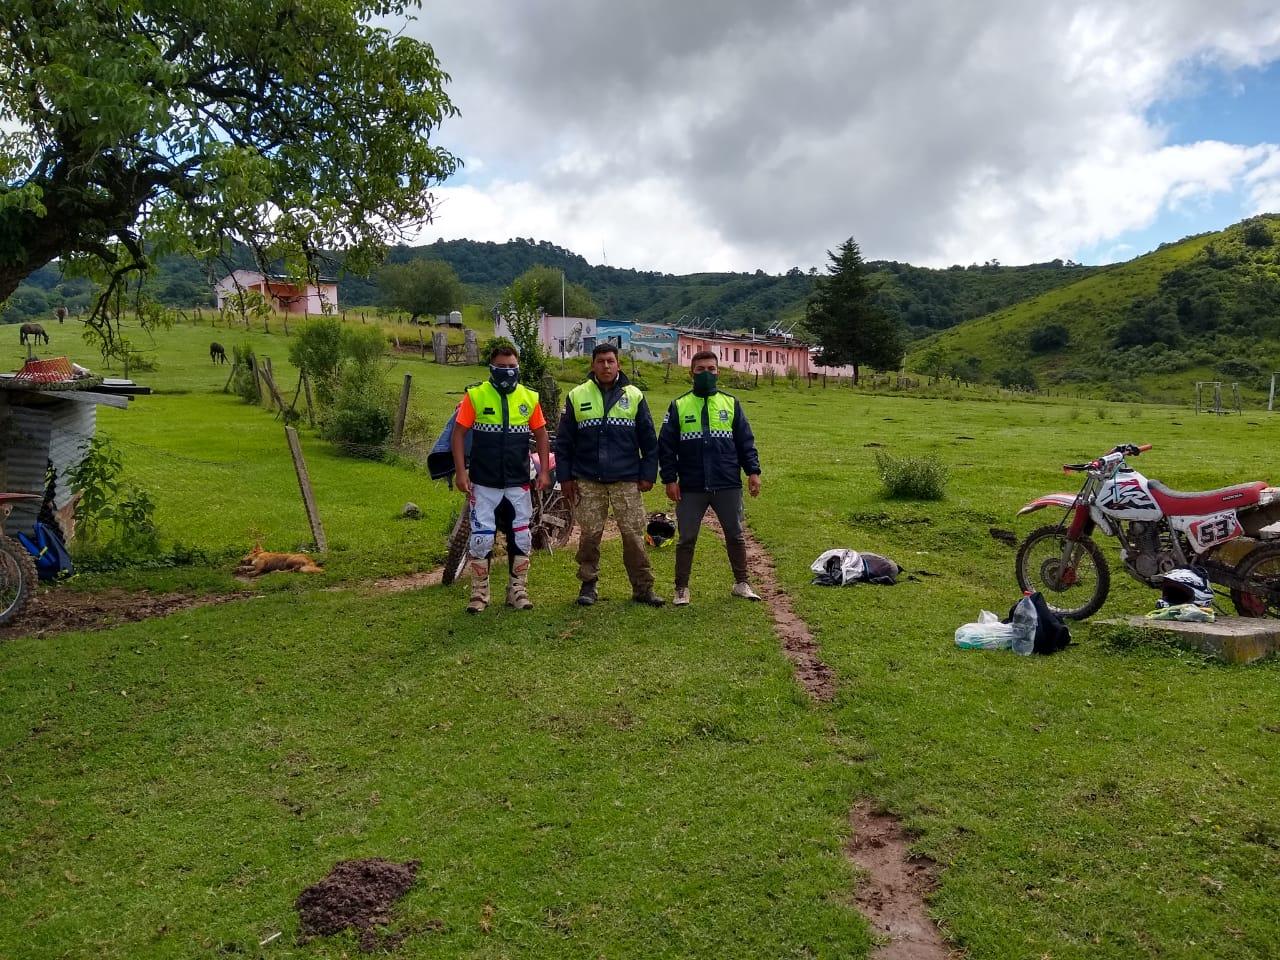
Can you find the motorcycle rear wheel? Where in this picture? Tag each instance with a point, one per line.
(17, 580)
(1075, 597)
(1259, 568)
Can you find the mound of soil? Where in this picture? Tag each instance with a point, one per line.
(356, 894)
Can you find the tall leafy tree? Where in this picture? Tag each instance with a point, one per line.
(542, 286)
(841, 317)
(132, 128)
(421, 287)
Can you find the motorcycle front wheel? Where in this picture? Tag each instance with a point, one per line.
(1076, 591)
(17, 579)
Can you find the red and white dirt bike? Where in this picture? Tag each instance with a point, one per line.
(1232, 534)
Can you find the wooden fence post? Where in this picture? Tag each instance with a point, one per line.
(308, 497)
(422, 344)
(306, 388)
(231, 376)
(269, 376)
(403, 412)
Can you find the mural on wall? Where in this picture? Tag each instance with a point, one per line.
(651, 342)
(654, 343)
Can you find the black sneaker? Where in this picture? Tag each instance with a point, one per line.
(648, 598)
(587, 593)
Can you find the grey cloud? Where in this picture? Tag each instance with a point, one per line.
(790, 125)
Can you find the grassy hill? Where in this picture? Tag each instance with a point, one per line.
(1206, 308)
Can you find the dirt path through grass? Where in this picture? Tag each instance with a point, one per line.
(812, 672)
(892, 897)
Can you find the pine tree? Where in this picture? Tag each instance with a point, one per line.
(843, 320)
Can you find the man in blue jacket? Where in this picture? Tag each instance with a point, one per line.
(606, 458)
(704, 448)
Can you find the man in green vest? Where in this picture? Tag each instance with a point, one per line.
(501, 413)
(704, 448)
(606, 458)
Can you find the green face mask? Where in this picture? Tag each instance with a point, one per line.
(704, 383)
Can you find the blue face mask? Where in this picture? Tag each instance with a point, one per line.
(504, 378)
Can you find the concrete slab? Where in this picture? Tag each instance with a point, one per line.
(1233, 639)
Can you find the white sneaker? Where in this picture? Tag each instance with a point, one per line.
(743, 589)
(681, 598)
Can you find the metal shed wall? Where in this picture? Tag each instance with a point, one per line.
(34, 436)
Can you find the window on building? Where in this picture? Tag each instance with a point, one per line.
(737, 355)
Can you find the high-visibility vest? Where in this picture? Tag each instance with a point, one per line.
(587, 402)
(719, 409)
(500, 435)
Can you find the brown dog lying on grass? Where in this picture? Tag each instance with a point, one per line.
(261, 561)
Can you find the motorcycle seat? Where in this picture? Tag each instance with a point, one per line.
(1179, 504)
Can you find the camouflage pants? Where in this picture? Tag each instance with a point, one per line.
(627, 504)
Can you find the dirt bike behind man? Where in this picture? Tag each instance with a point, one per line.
(1232, 534)
(550, 525)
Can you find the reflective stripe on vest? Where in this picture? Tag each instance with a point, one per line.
(588, 406)
(719, 407)
(487, 403)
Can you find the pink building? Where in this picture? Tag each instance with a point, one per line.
(560, 336)
(750, 354)
(280, 291)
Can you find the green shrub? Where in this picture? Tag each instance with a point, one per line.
(317, 352)
(1019, 376)
(359, 418)
(1052, 336)
(912, 478)
(111, 513)
(243, 383)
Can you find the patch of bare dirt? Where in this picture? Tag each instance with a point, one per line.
(813, 673)
(61, 611)
(432, 578)
(357, 894)
(893, 895)
(409, 581)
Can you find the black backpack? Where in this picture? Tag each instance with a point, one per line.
(1052, 634)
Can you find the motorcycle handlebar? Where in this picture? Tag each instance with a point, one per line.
(1124, 449)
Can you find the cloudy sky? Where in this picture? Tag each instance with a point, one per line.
(681, 135)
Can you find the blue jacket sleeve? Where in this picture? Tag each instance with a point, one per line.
(566, 439)
(647, 441)
(669, 445)
(745, 441)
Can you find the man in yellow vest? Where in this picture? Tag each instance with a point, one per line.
(501, 413)
(606, 457)
(704, 448)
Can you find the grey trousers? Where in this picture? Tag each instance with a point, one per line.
(690, 510)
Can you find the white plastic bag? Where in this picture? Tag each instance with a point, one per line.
(987, 634)
(851, 567)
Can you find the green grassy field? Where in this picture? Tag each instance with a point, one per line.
(623, 781)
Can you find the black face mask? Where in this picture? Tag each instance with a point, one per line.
(704, 383)
(504, 378)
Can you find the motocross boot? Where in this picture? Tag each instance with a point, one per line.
(518, 585)
(479, 586)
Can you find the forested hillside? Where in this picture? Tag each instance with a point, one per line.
(923, 299)
(1206, 308)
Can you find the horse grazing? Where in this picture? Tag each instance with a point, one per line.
(216, 353)
(33, 331)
